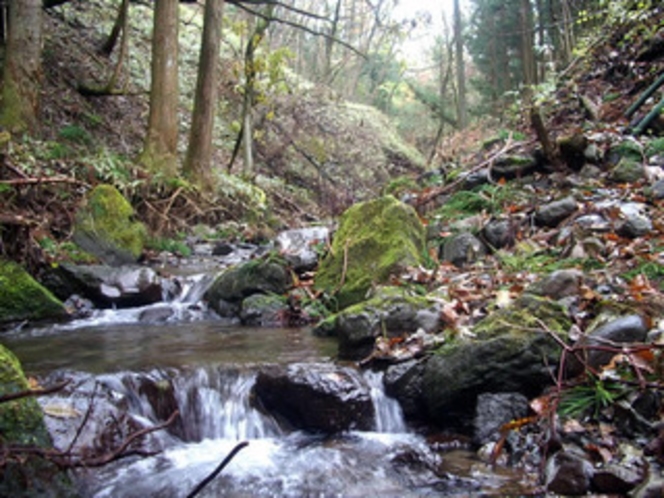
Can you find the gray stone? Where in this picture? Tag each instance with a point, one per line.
(498, 234)
(551, 214)
(495, 410)
(462, 249)
(558, 285)
(121, 287)
(297, 246)
(626, 329)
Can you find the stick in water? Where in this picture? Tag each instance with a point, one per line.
(219, 468)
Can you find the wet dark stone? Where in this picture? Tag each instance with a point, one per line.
(568, 474)
(316, 397)
(616, 479)
(160, 394)
(403, 382)
(222, 249)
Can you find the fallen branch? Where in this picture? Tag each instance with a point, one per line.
(199, 487)
(47, 179)
(33, 392)
(432, 194)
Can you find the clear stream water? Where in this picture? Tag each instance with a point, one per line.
(212, 369)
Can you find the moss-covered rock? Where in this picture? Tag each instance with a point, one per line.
(105, 227)
(511, 351)
(261, 276)
(391, 312)
(628, 170)
(23, 298)
(375, 239)
(22, 424)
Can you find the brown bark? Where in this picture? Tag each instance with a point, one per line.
(23, 67)
(160, 150)
(199, 152)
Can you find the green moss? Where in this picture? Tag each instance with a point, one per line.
(628, 149)
(106, 222)
(527, 314)
(21, 421)
(628, 170)
(23, 298)
(655, 147)
(375, 239)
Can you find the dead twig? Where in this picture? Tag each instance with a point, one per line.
(199, 487)
(33, 392)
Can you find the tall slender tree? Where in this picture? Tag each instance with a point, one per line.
(462, 114)
(22, 74)
(199, 150)
(161, 141)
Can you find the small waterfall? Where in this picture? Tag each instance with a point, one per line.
(389, 416)
(215, 404)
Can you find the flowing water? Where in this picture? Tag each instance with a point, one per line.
(137, 374)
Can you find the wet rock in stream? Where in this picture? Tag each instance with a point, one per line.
(320, 398)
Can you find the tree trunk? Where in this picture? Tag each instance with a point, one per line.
(23, 67)
(197, 165)
(161, 142)
(527, 40)
(462, 115)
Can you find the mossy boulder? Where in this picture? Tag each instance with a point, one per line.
(23, 298)
(260, 276)
(391, 312)
(105, 227)
(22, 424)
(376, 239)
(512, 351)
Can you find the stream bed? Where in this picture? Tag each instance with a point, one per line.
(115, 365)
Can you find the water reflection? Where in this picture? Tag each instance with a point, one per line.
(111, 348)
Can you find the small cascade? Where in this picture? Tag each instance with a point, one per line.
(215, 404)
(389, 416)
(193, 288)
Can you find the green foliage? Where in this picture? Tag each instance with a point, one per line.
(653, 270)
(590, 398)
(74, 133)
(400, 185)
(655, 147)
(177, 247)
(489, 198)
(114, 169)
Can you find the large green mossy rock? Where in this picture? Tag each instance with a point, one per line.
(375, 239)
(23, 298)
(105, 227)
(22, 424)
(512, 350)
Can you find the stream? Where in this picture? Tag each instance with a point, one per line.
(117, 364)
